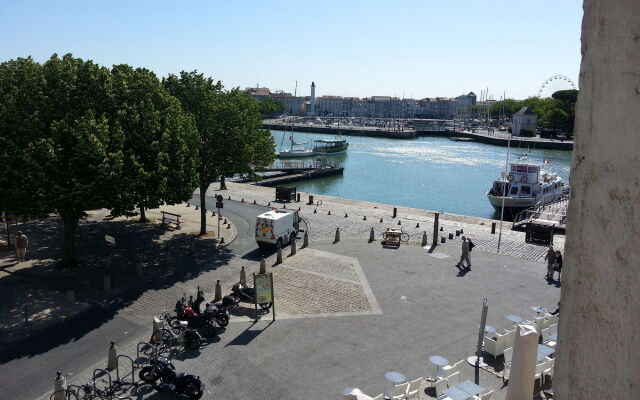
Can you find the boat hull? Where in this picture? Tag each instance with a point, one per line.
(512, 205)
(332, 153)
(296, 154)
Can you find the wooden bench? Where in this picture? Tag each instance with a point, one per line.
(170, 219)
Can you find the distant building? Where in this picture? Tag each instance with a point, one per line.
(524, 120)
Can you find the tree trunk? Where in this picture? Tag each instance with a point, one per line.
(69, 247)
(203, 209)
(143, 215)
(223, 185)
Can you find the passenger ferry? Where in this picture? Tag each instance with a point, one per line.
(526, 186)
(330, 147)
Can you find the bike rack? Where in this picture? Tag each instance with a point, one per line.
(94, 377)
(133, 368)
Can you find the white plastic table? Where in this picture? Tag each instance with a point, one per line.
(514, 318)
(395, 377)
(456, 393)
(439, 362)
(470, 387)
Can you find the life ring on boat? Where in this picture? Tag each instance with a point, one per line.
(510, 178)
(524, 179)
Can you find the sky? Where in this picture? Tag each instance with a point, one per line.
(417, 49)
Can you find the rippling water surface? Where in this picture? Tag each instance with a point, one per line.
(428, 173)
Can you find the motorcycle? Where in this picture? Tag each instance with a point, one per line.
(217, 312)
(245, 294)
(170, 381)
(177, 333)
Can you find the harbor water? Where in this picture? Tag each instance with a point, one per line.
(429, 173)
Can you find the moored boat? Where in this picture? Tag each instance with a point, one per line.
(330, 146)
(525, 186)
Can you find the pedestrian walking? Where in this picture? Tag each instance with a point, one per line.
(551, 259)
(558, 266)
(465, 254)
(21, 246)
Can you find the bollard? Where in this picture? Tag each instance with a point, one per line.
(297, 197)
(269, 204)
(462, 231)
(242, 201)
(221, 240)
(329, 213)
(371, 236)
(71, 295)
(424, 239)
(315, 210)
(305, 241)
(310, 200)
(229, 198)
(228, 226)
(263, 266)
(58, 387)
(188, 205)
(279, 255)
(196, 207)
(418, 225)
(364, 218)
(493, 228)
(225, 221)
(441, 228)
(112, 359)
(337, 239)
(450, 235)
(254, 202)
(436, 221)
(106, 284)
(380, 219)
(139, 268)
(399, 223)
(218, 292)
(457, 233)
(293, 248)
(284, 206)
(443, 239)
(299, 208)
(346, 215)
(213, 214)
(395, 212)
(243, 276)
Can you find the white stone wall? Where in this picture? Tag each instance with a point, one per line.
(599, 332)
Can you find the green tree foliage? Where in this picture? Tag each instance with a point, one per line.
(160, 146)
(75, 136)
(269, 107)
(61, 154)
(232, 140)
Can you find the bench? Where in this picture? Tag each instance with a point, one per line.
(168, 218)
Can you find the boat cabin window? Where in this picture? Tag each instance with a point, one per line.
(525, 190)
(533, 170)
(522, 168)
(514, 190)
(513, 168)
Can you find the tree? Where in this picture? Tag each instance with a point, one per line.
(229, 123)
(568, 99)
(61, 154)
(160, 143)
(269, 107)
(556, 119)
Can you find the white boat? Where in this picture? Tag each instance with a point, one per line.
(295, 152)
(525, 186)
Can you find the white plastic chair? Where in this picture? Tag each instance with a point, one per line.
(400, 391)
(451, 369)
(508, 354)
(553, 329)
(453, 379)
(548, 371)
(485, 396)
(538, 323)
(413, 390)
(441, 386)
(546, 339)
(495, 347)
(539, 369)
(509, 338)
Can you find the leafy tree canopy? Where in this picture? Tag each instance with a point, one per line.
(269, 107)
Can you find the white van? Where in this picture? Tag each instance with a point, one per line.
(277, 227)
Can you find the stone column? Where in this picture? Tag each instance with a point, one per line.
(598, 344)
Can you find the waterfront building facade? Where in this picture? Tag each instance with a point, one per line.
(524, 121)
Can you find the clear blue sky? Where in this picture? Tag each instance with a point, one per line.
(353, 48)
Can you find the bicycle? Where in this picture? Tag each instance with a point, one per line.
(89, 391)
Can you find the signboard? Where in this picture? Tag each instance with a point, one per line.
(264, 289)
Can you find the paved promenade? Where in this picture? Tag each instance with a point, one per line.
(412, 221)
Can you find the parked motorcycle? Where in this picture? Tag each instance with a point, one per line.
(218, 313)
(245, 294)
(180, 333)
(170, 381)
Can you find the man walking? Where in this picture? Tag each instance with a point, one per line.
(21, 246)
(551, 260)
(465, 255)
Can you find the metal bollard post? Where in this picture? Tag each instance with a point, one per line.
(493, 228)
(337, 238)
(218, 292)
(425, 240)
(436, 222)
(310, 200)
(58, 387)
(263, 266)
(457, 233)
(395, 212)
(279, 255)
(112, 359)
(371, 236)
(450, 235)
(243, 277)
(293, 248)
(305, 241)
(298, 198)
(443, 239)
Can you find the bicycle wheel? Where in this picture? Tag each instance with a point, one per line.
(404, 237)
(122, 390)
(68, 395)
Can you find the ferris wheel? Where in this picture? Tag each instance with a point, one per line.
(555, 83)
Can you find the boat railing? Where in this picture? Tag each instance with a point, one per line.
(545, 209)
(303, 165)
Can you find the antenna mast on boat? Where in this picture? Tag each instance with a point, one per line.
(295, 91)
(504, 187)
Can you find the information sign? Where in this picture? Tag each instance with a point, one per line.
(263, 288)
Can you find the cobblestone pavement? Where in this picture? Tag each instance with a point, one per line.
(412, 221)
(427, 307)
